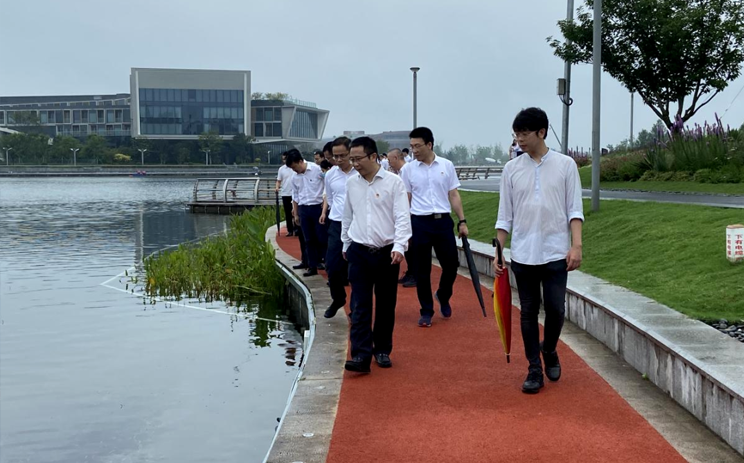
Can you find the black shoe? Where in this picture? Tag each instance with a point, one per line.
(533, 383)
(310, 272)
(424, 321)
(383, 360)
(299, 266)
(444, 308)
(552, 364)
(321, 266)
(332, 309)
(289, 234)
(410, 282)
(358, 364)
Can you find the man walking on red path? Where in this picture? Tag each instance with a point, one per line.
(431, 182)
(307, 205)
(397, 163)
(540, 201)
(335, 186)
(375, 230)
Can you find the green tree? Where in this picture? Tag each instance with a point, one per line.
(458, 154)
(60, 151)
(382, 146)
(96, 148)
(210, 141)
(681, 52)
(276, 96)
(257, 96)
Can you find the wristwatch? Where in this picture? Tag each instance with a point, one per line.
(461, 222)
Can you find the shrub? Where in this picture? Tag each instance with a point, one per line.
(629, 167)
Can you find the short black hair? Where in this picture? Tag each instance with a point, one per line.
(345, 141)
(369, 145)
(423, 133)
(531, 120)
(325, 164)
(317, 152)
(405, 150)
(293, 156)
(327, 147)
(284, 154)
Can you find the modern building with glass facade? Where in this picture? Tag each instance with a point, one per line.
(173, 104)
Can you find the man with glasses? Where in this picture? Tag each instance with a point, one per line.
(335, 187)
(540, 202)
(375, 230)
(431, 182)
(307, 200)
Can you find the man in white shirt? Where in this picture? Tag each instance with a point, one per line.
(335, 187)
(407, 155)
(375, 230)
(540, 204)
(307, 205)
(284, 188)
(431, 182)
(397, 162)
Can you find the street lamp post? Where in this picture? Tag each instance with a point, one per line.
(142, 153)
(206, 157)
(567, 101)
(74, 155)
(596, 103)
(415, 100)
(7, 155)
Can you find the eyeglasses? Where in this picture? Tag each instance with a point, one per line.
(524, 134)
(418, 146)
(357, 160)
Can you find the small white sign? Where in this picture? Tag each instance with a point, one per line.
(735, 243)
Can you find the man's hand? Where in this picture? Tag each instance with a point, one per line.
(344, 255)
(573, 258)
(276, 189)
(296, 219)
(397, 257)
(498, 270)
(322, 218)
(462, 230)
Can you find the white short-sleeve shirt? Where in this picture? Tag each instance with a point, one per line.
(335, 185)
(285, 175)
(430, 185)
(308, 187)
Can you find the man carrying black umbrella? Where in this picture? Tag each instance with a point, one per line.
(540, 203)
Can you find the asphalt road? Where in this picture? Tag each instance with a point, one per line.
(492, 184)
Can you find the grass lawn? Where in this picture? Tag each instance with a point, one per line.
(672, 253)
(672, 187)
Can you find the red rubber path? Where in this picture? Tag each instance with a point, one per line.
(451, 397)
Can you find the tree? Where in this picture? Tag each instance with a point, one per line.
(458, 154)
(382, 146)
(60, 151)
(96, 148)
(257, 96)
(239, 148)
(210, 141)
(276, 96)
(681, 52)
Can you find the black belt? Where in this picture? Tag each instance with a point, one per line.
(374, 250)
(432, 216)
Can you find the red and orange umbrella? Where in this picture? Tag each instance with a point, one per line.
(502, 302)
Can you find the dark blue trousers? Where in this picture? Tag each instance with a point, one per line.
(336, 266)
(314, 233)
(371, 273)
(435, 232)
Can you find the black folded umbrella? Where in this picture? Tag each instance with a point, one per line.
(473, 272)
(278, 216)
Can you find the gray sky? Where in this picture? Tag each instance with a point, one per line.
(481, 62)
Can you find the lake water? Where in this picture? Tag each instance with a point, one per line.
(89, 371)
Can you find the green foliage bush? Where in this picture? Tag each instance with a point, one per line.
(624, 168)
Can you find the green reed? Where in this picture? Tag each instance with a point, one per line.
(233, 267)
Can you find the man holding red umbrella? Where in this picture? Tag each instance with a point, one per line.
(540, 204)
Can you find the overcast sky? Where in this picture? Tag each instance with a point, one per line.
(481, 62)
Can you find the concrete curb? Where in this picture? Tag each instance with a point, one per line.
(304, 433)
(695, 364)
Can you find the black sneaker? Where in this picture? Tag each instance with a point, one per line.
(446, 309)
(410, 282)
(299, 266)
(321, 266)
(310, 272)
(552, 364)
(358, 365)
(383, 360)
(332, 309)
(533, 383)
(424, 321)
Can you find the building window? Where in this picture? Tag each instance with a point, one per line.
(2, 117)
(258, 129)
(67, 116)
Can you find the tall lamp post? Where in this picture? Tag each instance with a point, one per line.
(142, 153)
(567, 101)
(206, 157)
(74, 155)
(7, 155)
(596, 103)
(415, 71)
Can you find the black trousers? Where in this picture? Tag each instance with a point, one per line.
(336, 266)
(314, 233)
(371, 273)
(553, 276)
(437, 233)
(287, 204)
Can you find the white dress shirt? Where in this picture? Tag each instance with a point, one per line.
(285, 175)
(409, 157)
(385, 164)
(335, 187)
(376, 214)
(307, 188)
(430, 185)
(536, 205)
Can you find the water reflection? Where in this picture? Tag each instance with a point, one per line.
(94, 373)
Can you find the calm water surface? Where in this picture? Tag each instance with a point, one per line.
(89, 371)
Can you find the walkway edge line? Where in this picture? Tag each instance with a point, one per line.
(695, 364)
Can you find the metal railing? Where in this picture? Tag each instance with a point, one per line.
(243, 191)
(477, 172)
